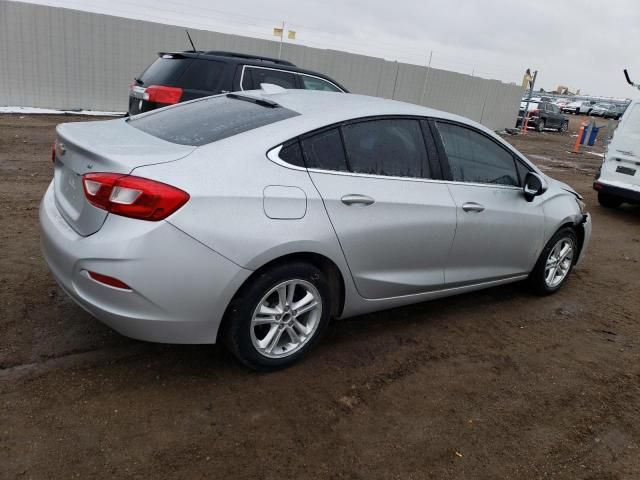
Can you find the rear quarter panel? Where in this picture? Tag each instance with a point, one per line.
(227, 181)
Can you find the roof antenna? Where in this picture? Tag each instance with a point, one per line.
(190, 41)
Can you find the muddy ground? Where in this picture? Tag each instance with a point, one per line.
(491, 385)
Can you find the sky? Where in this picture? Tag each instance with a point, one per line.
(582, 44)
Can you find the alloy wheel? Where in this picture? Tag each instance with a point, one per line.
(558, 262)
(286, 318)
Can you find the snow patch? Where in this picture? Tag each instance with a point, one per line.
(35, 110)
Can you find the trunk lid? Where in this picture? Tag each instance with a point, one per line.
(107, 146)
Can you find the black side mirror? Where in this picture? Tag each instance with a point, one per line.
(534, 185)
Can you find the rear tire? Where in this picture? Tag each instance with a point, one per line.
(608, 201)
(555, 263)
(269, 325)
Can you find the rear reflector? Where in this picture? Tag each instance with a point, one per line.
(162, 94)
(112, 282)
(133, 197)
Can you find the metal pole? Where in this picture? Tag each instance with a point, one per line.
(426, 77)
(526, 108)
(281, 37)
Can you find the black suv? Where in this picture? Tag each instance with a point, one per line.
(181, 76)
(543, 115)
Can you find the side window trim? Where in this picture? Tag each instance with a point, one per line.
(444, 157)
(437, 166)
(274, 155)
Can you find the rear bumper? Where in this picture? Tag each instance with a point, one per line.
(179, 288)
(628, 193)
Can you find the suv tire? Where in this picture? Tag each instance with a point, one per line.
(609, 201)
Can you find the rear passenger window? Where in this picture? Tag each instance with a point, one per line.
(389, 147)
(203, 75)
(475, 158)
(253, 77)
(292, 154)
(324, 151)
(314, 83)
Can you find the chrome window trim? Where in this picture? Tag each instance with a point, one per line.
(411, 179)
(274, 156)
(244, 67)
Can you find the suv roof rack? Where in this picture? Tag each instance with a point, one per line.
(249, 57)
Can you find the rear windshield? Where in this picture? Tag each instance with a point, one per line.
(209, 120)
(164, 71)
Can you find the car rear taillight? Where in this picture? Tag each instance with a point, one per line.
(54, 147)
(534, 112)
(133, 197)
(162, 94)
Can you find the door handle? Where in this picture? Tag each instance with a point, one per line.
(355, 199)
(472, 207)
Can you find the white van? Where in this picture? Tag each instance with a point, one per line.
(618, 180)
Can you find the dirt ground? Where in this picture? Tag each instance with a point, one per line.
(498, 384)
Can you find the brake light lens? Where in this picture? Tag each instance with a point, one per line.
(162, 94)
(133, 197)
(54, 147)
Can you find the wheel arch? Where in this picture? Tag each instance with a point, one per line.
(320, 261)
(578, 229)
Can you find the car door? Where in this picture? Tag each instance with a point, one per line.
(395, 225)
(499, 233)
(558, 117)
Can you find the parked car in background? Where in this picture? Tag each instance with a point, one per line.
(600, 109)
(618, 180)
(578, 107)
(543, 115)
(255, 217)
(561, 102)
(616, 111)
(181, 76)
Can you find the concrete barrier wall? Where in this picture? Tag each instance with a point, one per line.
(67, 59)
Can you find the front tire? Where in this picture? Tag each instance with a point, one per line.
(540, 126)
(608, 201)
(278, 317)
(555, 263)
(564, 127)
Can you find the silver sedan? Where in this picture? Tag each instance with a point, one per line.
(254, 218)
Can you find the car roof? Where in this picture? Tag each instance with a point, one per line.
(319, 109)
(253, 60)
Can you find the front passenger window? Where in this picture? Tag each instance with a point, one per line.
(475, 158)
